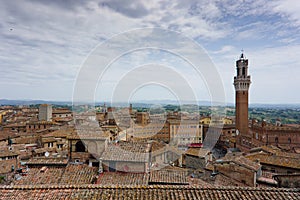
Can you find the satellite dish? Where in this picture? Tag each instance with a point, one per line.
(47, 154)
(237, 132)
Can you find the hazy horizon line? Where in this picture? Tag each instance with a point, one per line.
(152, 101)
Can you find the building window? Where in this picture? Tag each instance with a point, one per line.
(289, 140)
(50, 144)
(79, 147)
(276, 140)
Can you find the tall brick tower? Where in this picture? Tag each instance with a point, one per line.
(242, 83)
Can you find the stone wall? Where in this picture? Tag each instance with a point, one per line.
(238, 173)
(5, 165)
(288, 181)
(125, 166)
(194, 162)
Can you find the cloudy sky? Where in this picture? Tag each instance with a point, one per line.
(44, 45)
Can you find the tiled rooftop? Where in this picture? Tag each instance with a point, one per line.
(241, 160)
(15, 125)
(124, 151)
(45, 149)
(36, 177)
(143, 192)
(4, 152)
(42, 123)
(4, 135)
(72, 174)
(199, 182)
(60, 133)
(47, 161)
(274, 151)
(198, 152)
(48, 139)
(82, 135)
(61, 111)
(72, 133)
(276, 160)
(78, 174)
(119, 178)
(222, 180)
(169, 177)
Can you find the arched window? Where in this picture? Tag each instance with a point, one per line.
(79, 147)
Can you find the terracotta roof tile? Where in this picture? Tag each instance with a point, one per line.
(4, 152)
(120, 178)
(198, 152)
(126, 151)
(168, 177)
(72, 174)
(241, 160)
(276, 160)
(144, 192)
(47, 161)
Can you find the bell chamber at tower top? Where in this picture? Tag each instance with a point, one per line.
(242, 79)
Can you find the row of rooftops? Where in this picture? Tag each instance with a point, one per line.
(31, 123)
(47, 161)
(141, 192)
(240, 160)
(265, 154)
(26, 109)
(275, 160)
(4, 152)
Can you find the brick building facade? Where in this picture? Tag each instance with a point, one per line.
(242, 83)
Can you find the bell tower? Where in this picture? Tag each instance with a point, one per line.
(242, 83)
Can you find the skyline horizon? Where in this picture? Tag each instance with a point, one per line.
(151, 101)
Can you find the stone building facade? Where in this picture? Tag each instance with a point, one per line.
(239, 168)
(45, 112)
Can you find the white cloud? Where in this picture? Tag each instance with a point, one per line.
(49, 40)
(289, 9)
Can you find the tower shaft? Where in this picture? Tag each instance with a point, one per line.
(241, 109)
(242, 83)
